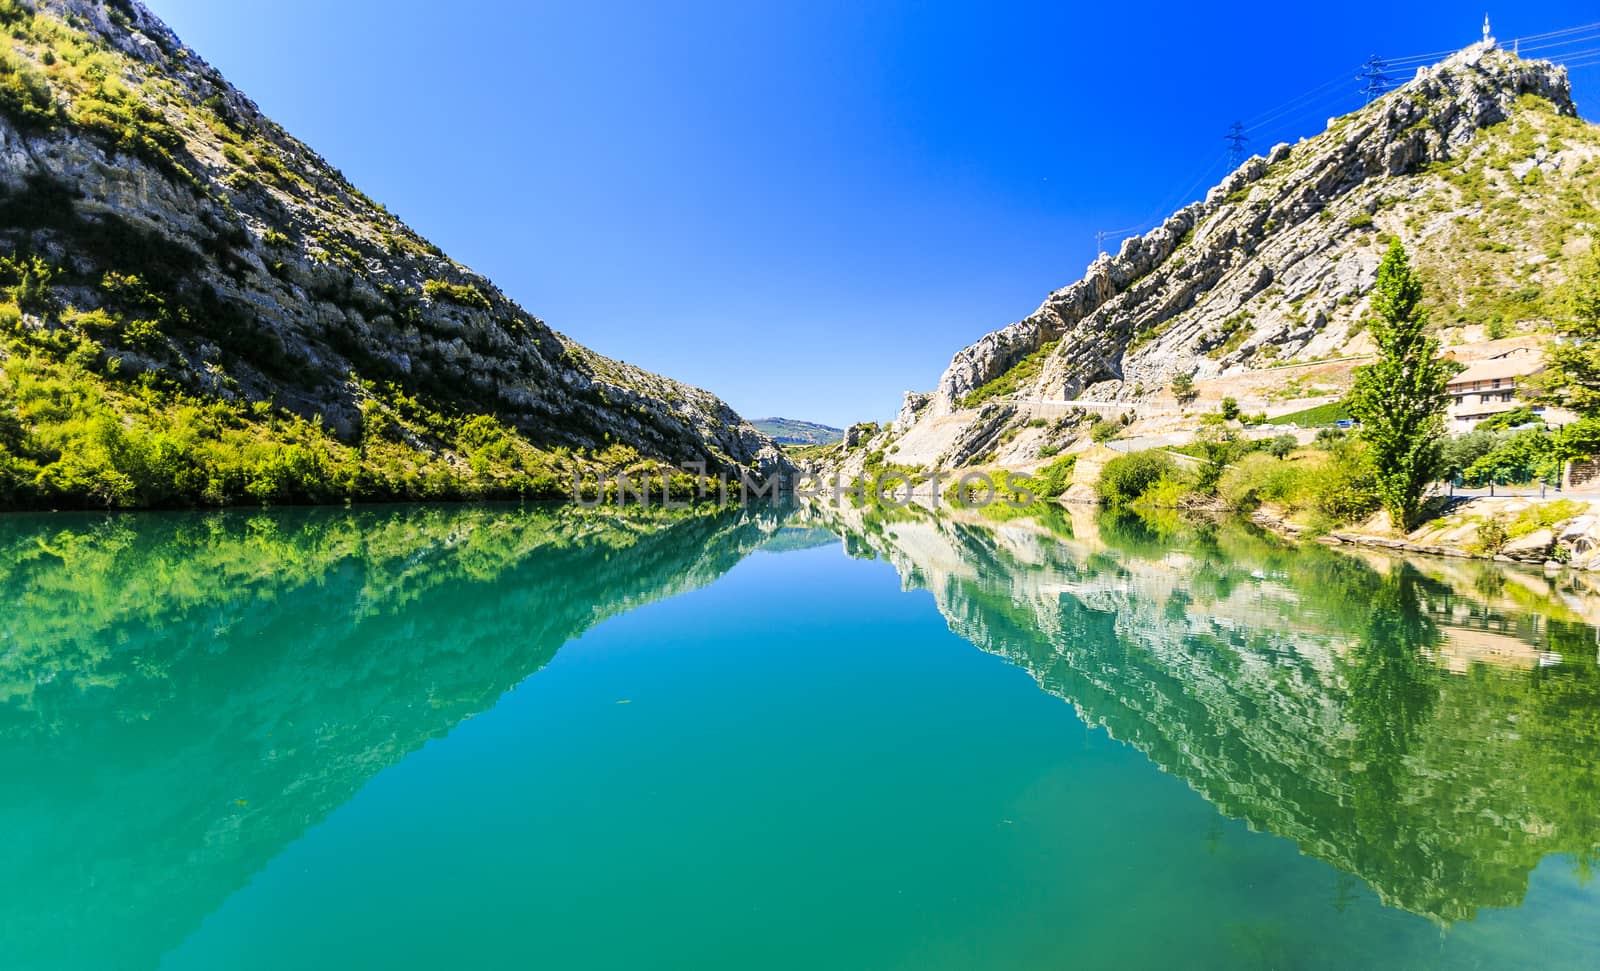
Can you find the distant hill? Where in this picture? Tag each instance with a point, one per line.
(787, 431)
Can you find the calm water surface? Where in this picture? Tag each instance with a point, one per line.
(496, 737)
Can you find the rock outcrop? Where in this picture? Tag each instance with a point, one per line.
(1468, 163)
(124, 155)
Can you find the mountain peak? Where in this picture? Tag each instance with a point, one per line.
(1274, 264)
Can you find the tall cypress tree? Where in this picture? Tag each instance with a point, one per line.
(1400, 399)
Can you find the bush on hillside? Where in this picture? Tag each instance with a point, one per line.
(463, 295)
(1259, 478)
(1052, 480)
(1343, 487)
(1104, 430)
(1127, 477)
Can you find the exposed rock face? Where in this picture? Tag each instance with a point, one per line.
(295, 282)
(1277, 261)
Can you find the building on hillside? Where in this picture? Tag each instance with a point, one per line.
(1494, 386)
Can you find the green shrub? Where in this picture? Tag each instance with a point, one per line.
(1492, 535)
(1260, 477)
(27, 280)
(1011, 380)
(25, 95)
(1104, 430)
(464, 295)
(1461, 451)
(1343, 487)
(1523, 457)
(1167, 492)
(1127, 477)
(1229, 409)
(1280, 446)
(1053, 479)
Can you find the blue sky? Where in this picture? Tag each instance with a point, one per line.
(803, 207)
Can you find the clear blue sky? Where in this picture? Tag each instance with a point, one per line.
(803, 207)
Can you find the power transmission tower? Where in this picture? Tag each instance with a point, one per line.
(1236, 139)
(1376, 73)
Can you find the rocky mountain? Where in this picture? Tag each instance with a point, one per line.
(195, 306)
(1479, 164)
(790, 431)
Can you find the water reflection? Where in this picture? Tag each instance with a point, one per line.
(183, 695)
(1428, 726)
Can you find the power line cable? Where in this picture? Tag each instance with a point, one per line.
(1557, 33)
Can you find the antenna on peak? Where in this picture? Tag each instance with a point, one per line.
(1236, 139)
(1488, 38)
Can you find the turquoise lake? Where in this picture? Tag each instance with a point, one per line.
(422, 737)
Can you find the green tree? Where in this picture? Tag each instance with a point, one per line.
(1229, 409)
(1216, 445)
(1400, 399)
(1183, 388)
(1571, 377)
(1127, 477)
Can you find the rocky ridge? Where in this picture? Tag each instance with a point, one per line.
(1479, 164)
(122, 152)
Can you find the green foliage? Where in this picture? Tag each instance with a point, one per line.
(1128, 477)
(27, 281)
(131, 125)
(1580, 439)
(1053, 480)
(1259, 478)
(25, 96)
(1014, 378)
(1104, 430)
(1522, 457)
(1571, 377)
(1461, 451)
(1183, 388)
(1280, 446)
(1216, 445)
(69, 437)
(1510, 419)
(1343, 487)
(464, 295)
(1229, 409)
(1400, 399)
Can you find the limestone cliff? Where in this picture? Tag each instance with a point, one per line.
(1479, 164)
(158, 227)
